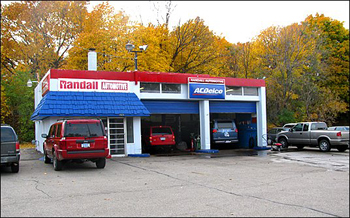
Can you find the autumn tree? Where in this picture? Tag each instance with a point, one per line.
(195, 49)
(335, 41)
(243, 60)
(36, 35)
(283, 52)
(108, 32)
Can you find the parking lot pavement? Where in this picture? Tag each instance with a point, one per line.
(230, 183)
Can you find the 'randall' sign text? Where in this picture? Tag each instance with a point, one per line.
(92, 85)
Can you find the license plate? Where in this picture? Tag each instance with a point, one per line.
(227, 141)
(85, 145)
(162, 138)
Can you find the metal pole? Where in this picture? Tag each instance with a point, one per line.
(135, 60)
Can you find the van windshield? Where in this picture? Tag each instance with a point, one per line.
(225, 125)
(83, 130)
(161, 131)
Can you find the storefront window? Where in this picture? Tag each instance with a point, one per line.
(149, 87)
(130, 129)
(171, 88)
(253, 91)
(233, 90)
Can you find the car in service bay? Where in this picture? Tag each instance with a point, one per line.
(224, 131)
(158, 138)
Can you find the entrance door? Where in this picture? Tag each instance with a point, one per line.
(116, 135)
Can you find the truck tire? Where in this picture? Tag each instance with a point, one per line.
(15, 167)
(342, 148)
(284, 142)
(300, 147)
(324, 145)
(57, 165)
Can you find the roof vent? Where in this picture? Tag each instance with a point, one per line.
(92, 59)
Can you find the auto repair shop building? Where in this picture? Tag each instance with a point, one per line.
(128, 102)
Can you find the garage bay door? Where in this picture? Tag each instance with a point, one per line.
(232, 107)
(171, 107)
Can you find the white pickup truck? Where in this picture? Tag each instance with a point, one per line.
(314, 134)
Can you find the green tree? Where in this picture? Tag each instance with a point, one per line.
(20, 101)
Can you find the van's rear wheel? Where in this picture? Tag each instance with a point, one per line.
(101, 163)
(324, 145)
(57, 165)
(15, 167)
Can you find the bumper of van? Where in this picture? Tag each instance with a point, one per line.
(226, 141)
(10, 159)
(82, 154)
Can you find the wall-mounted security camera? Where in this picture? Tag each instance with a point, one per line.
(143, 47)
(129, 47)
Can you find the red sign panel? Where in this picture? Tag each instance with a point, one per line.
(45, 86)
(92, 85)
(206, 80)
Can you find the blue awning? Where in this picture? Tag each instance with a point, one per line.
(232, 107)
(89, 104)
(171, 107)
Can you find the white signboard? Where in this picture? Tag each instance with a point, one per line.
(92, 85)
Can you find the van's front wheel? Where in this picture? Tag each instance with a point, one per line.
(47, 160)
(57, 165)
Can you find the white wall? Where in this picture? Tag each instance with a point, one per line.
(136, 147)
(204, 119)
(261, 118)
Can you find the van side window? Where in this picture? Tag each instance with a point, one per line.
(58, 132)
(52, 131)
(306, 127)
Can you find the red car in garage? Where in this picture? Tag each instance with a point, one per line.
(158, 137)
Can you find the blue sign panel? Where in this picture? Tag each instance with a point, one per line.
(209, 91)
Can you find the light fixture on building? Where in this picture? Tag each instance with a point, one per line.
(30, 83)
(130, 48)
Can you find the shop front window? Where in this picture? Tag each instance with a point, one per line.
(252, 91)
(171, 88)
(130, 130)
(149, 87)
(233, 90)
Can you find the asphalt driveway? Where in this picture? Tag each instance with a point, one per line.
(231, 183)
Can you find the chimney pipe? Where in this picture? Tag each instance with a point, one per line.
(92, 59)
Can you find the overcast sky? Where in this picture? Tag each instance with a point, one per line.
(237, 21)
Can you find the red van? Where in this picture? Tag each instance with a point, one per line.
(76, 140)
(159, 137)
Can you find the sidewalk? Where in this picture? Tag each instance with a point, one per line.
(30, 154)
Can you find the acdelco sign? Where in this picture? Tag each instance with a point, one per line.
(92, 85)
(209, 88)
(207, 91)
